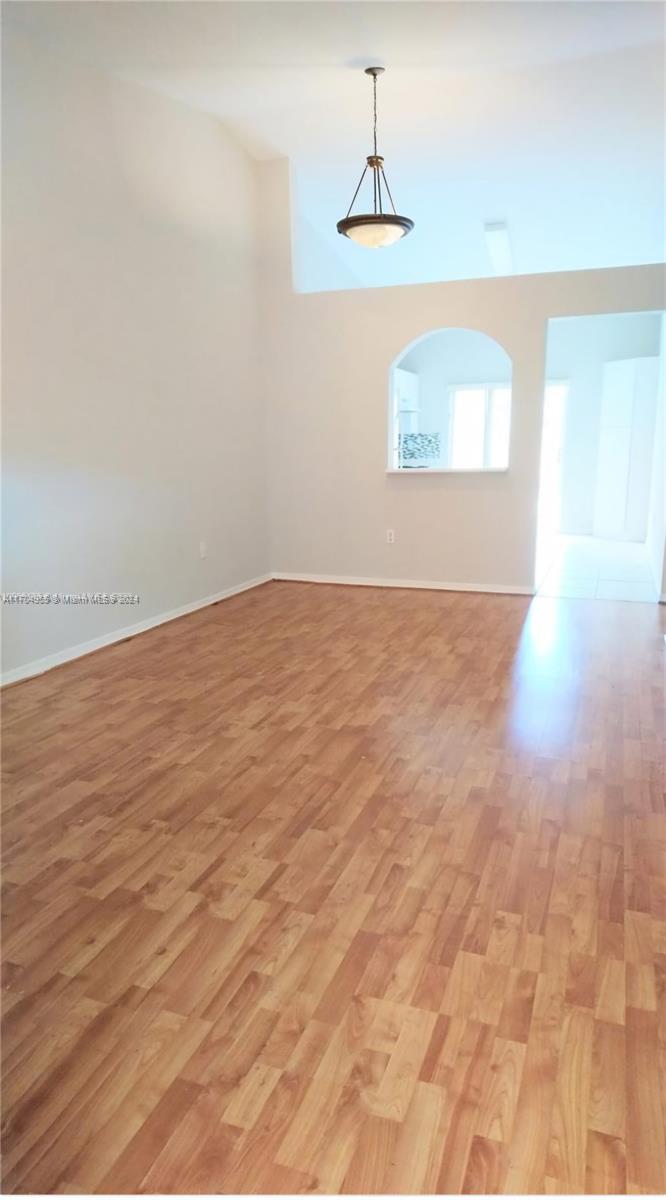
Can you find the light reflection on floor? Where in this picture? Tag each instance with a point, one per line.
(546, 677)
(564, 645)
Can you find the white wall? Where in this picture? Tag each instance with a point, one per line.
(446, 358)
(656, 532)
(577, 350)
(330, 353)
(132, 418)
(147, 343)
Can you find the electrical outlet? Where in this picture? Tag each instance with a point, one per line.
(203, 549)
(390, 536)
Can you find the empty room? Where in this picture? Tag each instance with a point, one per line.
(333, 583)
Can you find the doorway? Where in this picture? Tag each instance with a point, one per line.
(599, 472)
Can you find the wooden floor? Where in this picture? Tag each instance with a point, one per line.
(341, 890)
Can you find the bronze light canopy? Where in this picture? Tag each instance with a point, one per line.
(377, 228)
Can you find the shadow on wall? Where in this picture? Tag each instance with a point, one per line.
(450, 404)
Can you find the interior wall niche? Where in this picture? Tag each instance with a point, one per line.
(450, 404)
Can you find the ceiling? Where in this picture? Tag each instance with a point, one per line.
(546, 115)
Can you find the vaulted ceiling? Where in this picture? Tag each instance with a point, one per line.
(546, 116)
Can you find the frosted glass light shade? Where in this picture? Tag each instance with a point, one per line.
(375, 229)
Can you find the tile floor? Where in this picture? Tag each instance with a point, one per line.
(593, 568)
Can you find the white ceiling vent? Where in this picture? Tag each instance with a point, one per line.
(499, 247)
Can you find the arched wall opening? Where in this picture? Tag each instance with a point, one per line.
(450, 403)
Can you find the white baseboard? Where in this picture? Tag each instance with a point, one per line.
(423, 584)
(39, 665)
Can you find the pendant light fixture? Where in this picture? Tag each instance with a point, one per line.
(377, 228)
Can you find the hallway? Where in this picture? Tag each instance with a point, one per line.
(597, 568)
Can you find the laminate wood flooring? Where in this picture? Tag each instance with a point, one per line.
(329, 889)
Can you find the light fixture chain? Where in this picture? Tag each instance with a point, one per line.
(374, 107)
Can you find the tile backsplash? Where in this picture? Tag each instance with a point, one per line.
(419, 449)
